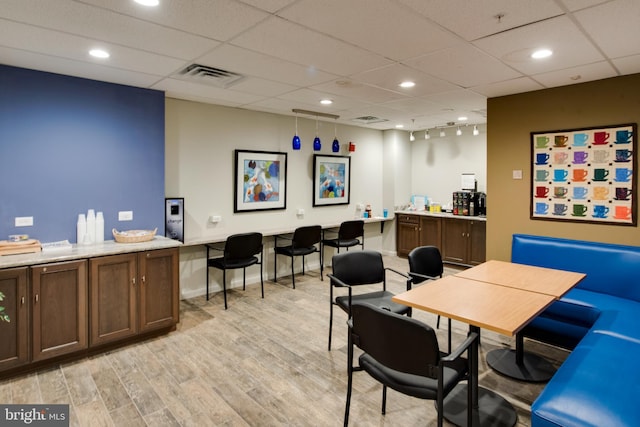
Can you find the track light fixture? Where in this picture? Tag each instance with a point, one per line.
(426, 134)
(459, 131)
(476, 132)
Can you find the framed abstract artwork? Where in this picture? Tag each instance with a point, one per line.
(585, 175)
(260, 181)
(331, 180)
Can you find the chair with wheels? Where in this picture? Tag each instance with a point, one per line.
(303, 242)
(403, 354)
(240, 251)
(353, 269)
(350, 233)
(425, 263)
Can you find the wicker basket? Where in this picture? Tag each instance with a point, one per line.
(133, 236)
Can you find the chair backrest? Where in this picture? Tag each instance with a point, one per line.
(358, 267)
(425, 260)
(304, 237)
(351, 229)
(242, 246)
(398, 342)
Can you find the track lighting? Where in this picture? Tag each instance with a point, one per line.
(411, 137)
(442, 133)
(459, 131)
(476, 132)
(426, 134)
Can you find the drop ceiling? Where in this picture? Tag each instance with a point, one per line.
(290, 54)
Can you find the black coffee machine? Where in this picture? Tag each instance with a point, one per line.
(469, 203)
(482, 204)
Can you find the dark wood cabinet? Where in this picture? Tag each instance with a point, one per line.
(58, 309)
(114, 313)
(14, 335)
(159, 289)
(133, 293)
(407, 234)
(463, 241)
(430, 231)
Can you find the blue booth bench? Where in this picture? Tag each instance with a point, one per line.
(599, 320)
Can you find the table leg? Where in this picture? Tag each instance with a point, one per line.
(519, 364)
(489, 408)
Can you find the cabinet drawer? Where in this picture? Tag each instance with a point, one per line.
(409, 219)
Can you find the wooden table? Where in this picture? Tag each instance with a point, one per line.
(501, 309)
(517, 363)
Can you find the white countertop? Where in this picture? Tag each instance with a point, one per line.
(109, 247)
(441, 215)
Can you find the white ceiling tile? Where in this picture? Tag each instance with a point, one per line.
(621, 38)
(570, 46)
(216, 19)
(508, 87)
(292, 42)
(204, 93)
(391, 76)
(464, 66)
(628, 65)
(71, 67)
(478, 18)
(258, 86)
(462, 99)
(250, 63)
(270, 6)
(381, 26)
(574, 5)
(581, 74)
(355, 89)
(58, 44)
(312, 98)
(104, 25)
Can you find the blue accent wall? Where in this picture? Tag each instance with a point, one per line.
(69, 144)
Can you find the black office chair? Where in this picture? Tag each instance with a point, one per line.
(350, 233)
(303, 242)
(403, 353)
(353, 269)
(425, 263)
(240, 251)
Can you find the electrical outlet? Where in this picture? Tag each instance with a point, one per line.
(215, 218)
(24, 221)
(125, 216)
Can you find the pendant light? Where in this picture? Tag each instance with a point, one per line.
(296, 139)
(335, 147)
(317, 145)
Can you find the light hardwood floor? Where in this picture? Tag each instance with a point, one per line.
(262, 362)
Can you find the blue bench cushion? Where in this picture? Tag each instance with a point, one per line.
(597, 385)
(610, 269)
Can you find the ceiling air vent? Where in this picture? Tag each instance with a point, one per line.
(367, 120)
(209, 75)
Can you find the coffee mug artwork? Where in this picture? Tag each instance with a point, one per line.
(585, 175)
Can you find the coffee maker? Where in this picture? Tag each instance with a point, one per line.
(469, 203)
(482, 204)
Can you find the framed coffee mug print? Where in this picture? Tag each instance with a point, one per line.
(585, 175)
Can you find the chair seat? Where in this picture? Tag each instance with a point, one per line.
(341, 243)
(380, 299)
(291, 251)
(414, 385)
(236, 263)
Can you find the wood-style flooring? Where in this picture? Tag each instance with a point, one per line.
(262, 362)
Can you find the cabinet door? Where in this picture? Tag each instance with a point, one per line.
(113, 297)
(159, 289)
(477, 242)
(454, 240)
(407, 234)
(14, 335)
(430, 231)
(59, 310)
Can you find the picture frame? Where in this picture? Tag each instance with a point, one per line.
(585, 175)
(260, 181)
(331, 180)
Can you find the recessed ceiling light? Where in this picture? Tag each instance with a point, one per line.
(99, 53)
(148, 2)
(399, 126)
(407, 84)
(541, 53)
(463, 118)
(326, 102)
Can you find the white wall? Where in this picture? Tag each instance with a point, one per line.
(200, 144)
(438, 163)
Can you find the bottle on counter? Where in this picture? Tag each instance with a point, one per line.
(99, 228)
(368, 211)
(81, 229)
(91, 226)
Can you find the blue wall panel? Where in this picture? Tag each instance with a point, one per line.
(69, 144)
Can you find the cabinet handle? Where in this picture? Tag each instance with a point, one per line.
(143, 280)
(44, 270)
(37, 298)
(22, 301)
(133, 281)
(148, 254)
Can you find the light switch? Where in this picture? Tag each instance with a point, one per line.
(517, 174)
(24, 221)
(125, 216)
